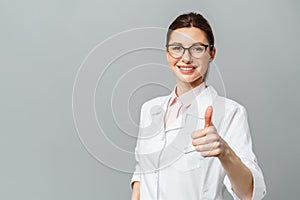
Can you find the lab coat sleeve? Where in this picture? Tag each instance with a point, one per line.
(237, 135)
(137, 172)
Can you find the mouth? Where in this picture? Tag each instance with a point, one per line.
(186, 69)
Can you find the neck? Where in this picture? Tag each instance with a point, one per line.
(182, 87)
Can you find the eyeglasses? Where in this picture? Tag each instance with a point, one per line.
(196, 50)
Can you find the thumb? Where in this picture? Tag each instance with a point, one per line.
(208, 116)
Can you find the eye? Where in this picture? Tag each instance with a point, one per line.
(175, 48)
(197, 49)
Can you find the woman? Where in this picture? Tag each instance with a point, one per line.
(172, 164)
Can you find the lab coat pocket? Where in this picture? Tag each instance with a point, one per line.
(189, 161)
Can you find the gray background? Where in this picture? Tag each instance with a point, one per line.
(43, 43)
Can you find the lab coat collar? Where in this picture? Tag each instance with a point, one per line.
(187, 98)
(202, 101)
(196, 109)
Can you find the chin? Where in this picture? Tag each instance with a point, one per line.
(190, 81)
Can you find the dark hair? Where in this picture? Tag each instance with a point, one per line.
(192, 19)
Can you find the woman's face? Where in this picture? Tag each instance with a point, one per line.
(188, 69)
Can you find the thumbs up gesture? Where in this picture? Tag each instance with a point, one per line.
(206, 140)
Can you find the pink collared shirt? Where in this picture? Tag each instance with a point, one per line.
(174, 110)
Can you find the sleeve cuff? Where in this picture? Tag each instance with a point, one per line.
(135, 177)
(259, 188)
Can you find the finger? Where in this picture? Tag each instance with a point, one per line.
(210, 130)
(203, 132)
(210, 138)
(214, 152)
(208, 147)
(208, 116)
(199, 133)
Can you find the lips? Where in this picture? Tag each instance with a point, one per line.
(186, 69)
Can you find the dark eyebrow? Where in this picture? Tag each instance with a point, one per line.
(178, 43)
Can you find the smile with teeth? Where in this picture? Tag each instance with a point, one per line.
(187, 68)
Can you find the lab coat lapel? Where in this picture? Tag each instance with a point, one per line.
(151, 143)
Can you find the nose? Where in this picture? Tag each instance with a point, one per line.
(186, 57)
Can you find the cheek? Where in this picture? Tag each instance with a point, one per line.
(203, 69)
(172, 61)
(203, 65)
(203, 61)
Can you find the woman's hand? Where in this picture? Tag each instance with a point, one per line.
(207, 140)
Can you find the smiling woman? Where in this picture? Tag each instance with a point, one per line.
(173, 165)
(189, 66)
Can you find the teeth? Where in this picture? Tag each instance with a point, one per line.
(186, 68)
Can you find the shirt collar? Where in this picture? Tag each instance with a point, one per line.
(187, 98)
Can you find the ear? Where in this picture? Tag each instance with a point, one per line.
(213, 53)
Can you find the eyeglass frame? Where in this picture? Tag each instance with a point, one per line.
(188, 48)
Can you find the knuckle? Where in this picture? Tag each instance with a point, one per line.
(211, 129)
(194, 142)
(194, 134)
(205, 154)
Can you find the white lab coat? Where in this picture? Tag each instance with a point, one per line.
(169, 169)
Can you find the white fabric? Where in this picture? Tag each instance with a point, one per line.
(189, 175)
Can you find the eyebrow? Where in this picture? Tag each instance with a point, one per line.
(178, 43)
